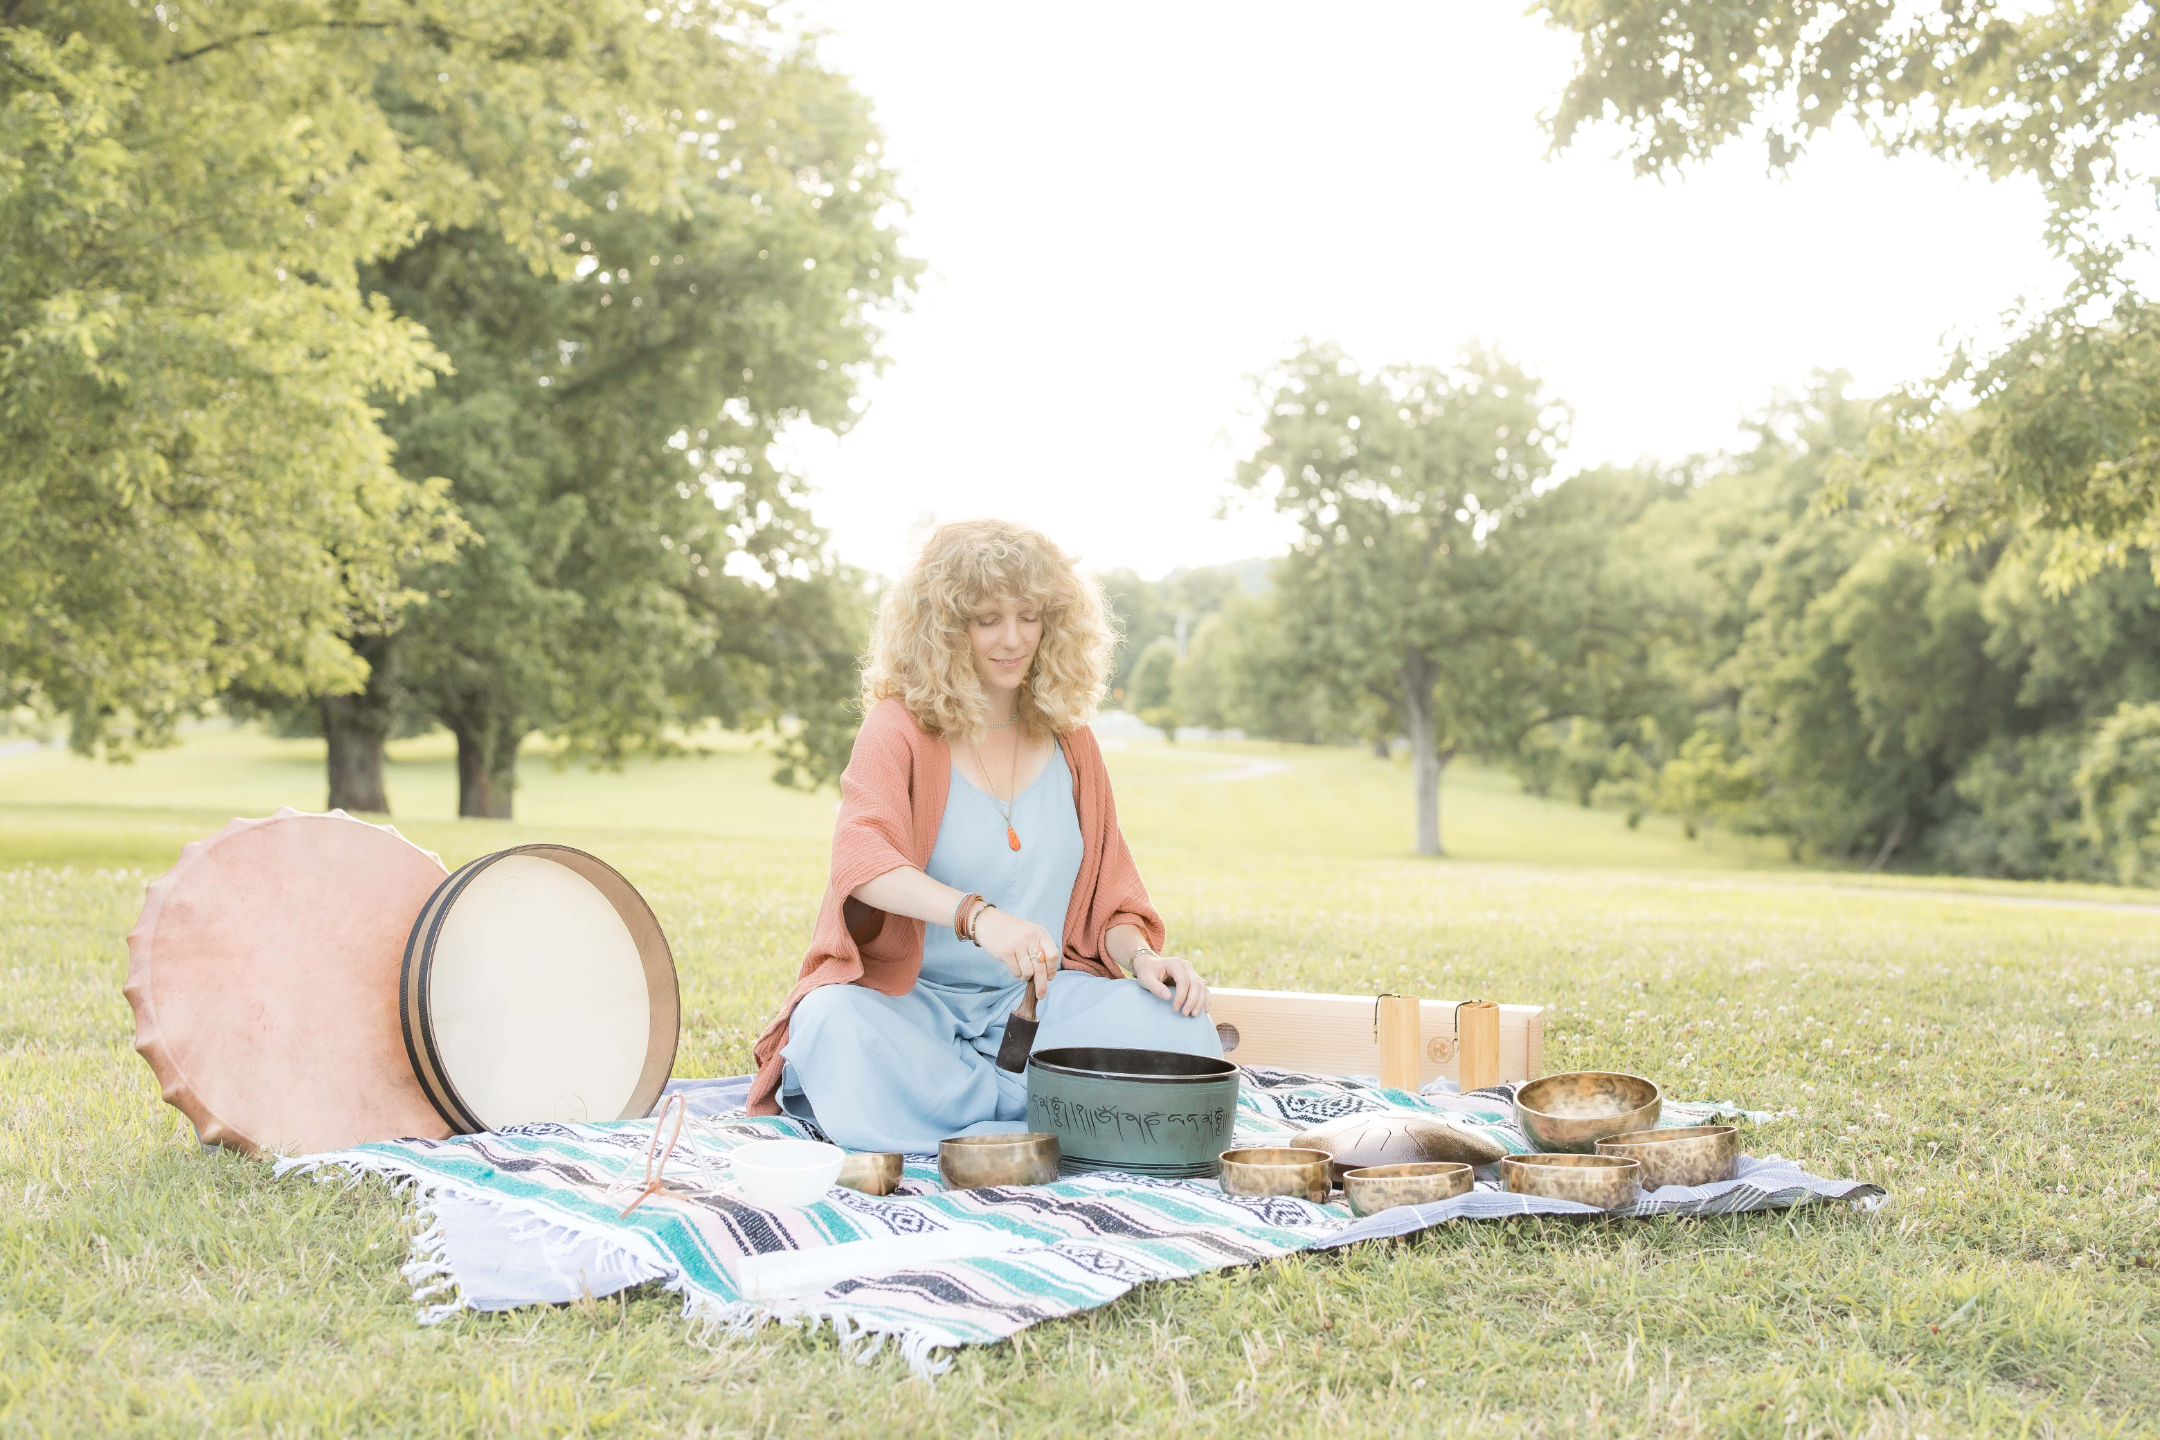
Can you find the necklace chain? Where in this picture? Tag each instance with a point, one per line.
(1012, 783)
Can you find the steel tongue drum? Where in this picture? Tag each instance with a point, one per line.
(308, 982)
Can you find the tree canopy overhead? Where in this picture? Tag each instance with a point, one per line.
(2057, 431)
(607, 434)
(2062, 91)
(195, 491)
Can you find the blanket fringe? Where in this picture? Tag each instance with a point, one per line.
(427, 1267)
(923, 1352)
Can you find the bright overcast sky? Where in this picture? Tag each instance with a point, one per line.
(1129, 210)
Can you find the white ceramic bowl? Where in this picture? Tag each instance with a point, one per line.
(781, 1174)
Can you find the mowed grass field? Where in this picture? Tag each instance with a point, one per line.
(1985, 1051)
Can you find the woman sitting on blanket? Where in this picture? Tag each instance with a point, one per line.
(982, 902)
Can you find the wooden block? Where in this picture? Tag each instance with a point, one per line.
(1398, 1020)
(1477, 1044)
(1339, 1034)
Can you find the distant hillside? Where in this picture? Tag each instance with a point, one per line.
(1251, 573)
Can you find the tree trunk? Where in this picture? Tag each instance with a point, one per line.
(1379, 748)
(1425, 761)
(355, 737)
(355, 727)
(486, 766)
(1889, 845)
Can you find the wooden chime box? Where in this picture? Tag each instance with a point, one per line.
(1406, 1041)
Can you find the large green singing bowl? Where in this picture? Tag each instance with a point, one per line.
(1146, 1112)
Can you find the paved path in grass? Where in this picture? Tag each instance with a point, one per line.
(2051, 902)
(1250, 770)
(1244, 770)
(1929, 892)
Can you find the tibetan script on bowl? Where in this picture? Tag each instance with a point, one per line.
(1146, 1127)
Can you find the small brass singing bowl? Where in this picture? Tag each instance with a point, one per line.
(873, 1172)
(972, 1162)
(1690, 1155)
(1570, 1113)
(1285, 1170)
(1604, 1181)
(1383, 1187)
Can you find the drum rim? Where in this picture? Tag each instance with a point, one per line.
(417, 968)
(411, 979)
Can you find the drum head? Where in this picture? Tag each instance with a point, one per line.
(537, 986)
(264, 973)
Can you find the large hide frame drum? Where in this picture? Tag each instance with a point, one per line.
(263, 974)
(536, 986)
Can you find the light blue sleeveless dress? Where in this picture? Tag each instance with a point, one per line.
(902, 1072)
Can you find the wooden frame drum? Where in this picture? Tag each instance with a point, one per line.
(537, 986)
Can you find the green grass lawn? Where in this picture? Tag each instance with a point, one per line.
(1987, 1058)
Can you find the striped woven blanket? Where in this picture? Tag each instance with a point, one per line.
(945, 1268)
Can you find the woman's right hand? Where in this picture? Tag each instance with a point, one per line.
(1021, 946)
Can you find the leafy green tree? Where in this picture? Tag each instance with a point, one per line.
(1633, 769)
(1860, 696)
(1145, 610)
(1862, 702)
(1141, 615)
(1397, 480)
(2014, 811)
(607, 433)
(2079, 654)
(2076, 658)
(1203, 685)
(2061, 445)
(2057, 90)
(194, 490)
(1240, 674)
(1244, 671)
(2119, 787)
(1606, 637)
(1800, 670)
(1704, 781)
(2063, 435)
(1536, 760)
(1845, 676)
(1575, 755)
(1595, 624)
(1153, 694)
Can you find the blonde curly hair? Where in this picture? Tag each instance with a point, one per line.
(921, 651)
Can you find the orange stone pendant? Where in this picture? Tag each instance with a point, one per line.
(1012, 837)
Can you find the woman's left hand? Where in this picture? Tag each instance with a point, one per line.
(1174, 979)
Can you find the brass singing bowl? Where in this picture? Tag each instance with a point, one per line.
(1307, 1174)
(1605, 1181)
(1570, 1113)
(1383, 1187)
(873, 1172)
(971, 1162)
(1690, 1155)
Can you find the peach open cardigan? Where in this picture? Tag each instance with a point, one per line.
(892, 798)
